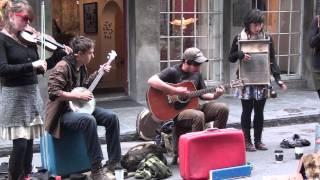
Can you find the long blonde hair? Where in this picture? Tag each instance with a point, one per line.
(3, 3)
(15, 6)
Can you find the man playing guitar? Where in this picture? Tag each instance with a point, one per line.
(191, 119)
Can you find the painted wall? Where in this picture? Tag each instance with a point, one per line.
(143, 37)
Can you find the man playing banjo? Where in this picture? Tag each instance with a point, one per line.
(69, 73)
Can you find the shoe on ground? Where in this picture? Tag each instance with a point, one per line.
(287, 143)
(101, 174)
(250, 147)
(302, 142)
(260, 146)
(112, 166)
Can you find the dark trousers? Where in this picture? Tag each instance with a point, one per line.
(247, 107)
(191, 120)
(20, 162)
(87, 124)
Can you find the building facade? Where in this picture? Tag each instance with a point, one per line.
(150, 35)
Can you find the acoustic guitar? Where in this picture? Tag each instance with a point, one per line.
(167, 106)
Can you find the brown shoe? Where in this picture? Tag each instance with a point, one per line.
(101, 174)
(112, 166)
(250, 147)
(261, 146)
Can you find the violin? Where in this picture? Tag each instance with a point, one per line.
(30, 37)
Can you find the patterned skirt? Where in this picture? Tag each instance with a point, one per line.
(21, 112)
(257, 92)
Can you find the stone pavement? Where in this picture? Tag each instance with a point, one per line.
(263, 162)
(290, 107)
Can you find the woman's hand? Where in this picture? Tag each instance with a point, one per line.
(40, 64)
(246, 57)
(282, 85)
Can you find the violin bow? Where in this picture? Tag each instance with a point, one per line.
(43, 29)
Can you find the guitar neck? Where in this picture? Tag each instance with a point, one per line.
(96, 80)
(198, 93)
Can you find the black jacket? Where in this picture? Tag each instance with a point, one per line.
(314, 42)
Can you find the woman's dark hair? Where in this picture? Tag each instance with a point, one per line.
(253, 16)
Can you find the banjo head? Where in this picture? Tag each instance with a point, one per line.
(82, 106)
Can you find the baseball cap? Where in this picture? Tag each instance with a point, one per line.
(194, 54)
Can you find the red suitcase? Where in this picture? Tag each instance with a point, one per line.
(200, 152)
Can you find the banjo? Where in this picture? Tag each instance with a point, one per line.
(88, 106)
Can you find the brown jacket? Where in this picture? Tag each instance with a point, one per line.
(62, 78)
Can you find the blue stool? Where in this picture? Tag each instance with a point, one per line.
(64, 156)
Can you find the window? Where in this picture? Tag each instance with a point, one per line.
(187, 23)
(284, 23)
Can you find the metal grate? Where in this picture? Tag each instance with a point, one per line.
(284, 22)
(187, 23)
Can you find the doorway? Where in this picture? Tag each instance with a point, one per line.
(112, 30)
(68, 20)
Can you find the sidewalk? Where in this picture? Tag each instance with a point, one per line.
(291, 107)
(263, 162)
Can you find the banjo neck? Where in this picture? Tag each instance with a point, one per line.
(96, 80)
(111, 56)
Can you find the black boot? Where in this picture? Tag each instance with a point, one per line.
(257, 140)
(247, 137)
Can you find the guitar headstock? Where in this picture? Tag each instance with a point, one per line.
(238, 83)
(111, 56)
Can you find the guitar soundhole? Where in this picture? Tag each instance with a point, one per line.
(178, 105)
(183, 98)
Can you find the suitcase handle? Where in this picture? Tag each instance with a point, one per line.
(212, 129)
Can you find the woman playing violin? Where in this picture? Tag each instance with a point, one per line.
(20, 101)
